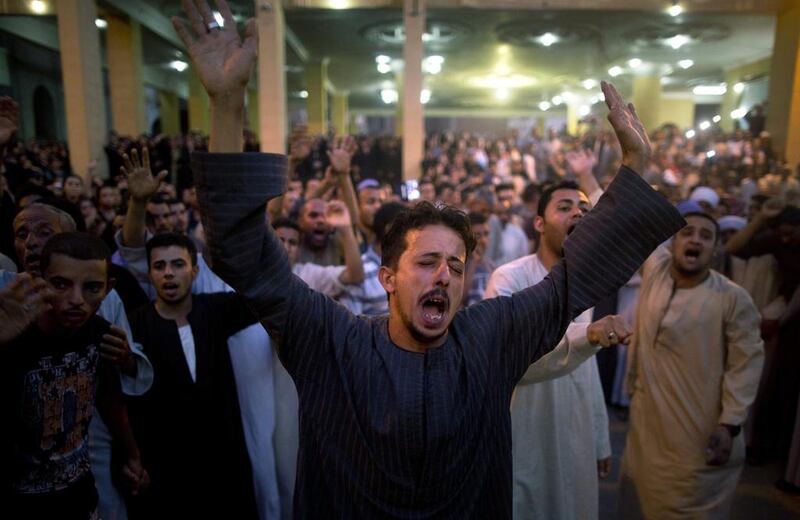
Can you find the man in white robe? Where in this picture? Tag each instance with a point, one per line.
(560, 438)
(694, 368)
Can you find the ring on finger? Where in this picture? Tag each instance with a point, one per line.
(212, 25)
(612, 336)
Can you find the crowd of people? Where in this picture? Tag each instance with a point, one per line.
(268, 336)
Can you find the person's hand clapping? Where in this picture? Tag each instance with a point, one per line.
(21, 303)
(632, 136)
(141, 183)
(337, 215)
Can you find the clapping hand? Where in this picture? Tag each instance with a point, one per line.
(341, 154)
(337, 215)
(631, 134)
(223, 60)
(21, 303)
(141, 183)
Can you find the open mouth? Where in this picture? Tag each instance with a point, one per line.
(434, 308)
(692, 254)
(74, 315)
(170, 287)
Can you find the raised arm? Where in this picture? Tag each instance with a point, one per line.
(142, 185)
(600, 255)
(338, 217)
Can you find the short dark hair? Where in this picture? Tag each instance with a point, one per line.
(383, 218)
(171, 239)
(504, 186)
(284, 222)
(530, 192)
(707, 217)
(423, 214)
(74, 244)
(476, 219)
(444, 186)
(548, 194)
(158, 198)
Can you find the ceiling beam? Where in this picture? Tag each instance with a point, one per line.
(149, 17)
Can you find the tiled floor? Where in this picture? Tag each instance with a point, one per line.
(756, 497)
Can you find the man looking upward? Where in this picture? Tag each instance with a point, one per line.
(405, 415)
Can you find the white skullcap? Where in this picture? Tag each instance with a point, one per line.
(705, 194)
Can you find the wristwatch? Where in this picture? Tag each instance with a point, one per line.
(733, 430)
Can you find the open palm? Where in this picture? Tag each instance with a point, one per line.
(222, 59)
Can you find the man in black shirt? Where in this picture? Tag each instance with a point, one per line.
(52, 377)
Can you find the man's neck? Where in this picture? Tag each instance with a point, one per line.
(687, 281)
(177, 311)
(547, 256)
(48, 324)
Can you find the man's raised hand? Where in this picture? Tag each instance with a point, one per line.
(337, 215)
(631, 134)
(21, 303)
(341, 154)
(223, 60)
(141, 183)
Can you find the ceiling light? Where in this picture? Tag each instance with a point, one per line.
(548, 39)
(424, 96)
(678, 41)
(738, 88)
(615, 71)
(685, 64)
(384, 68)
(495, 81)
(710, 154)
(601, 97)
(303, 94)
(557, 100)
(38, 6)
(389, 96)
(432, 64)
(589, 84)
(502, 69)
(179, 65)
(634, 63)
(739, 113)
(689, 134)
(594, 100)
(584, 110)
(382, 58)
(710, 90)
(503, 49)
(501, 94)
(426, 37)
(717, 118)
(338, 4)
(100, 23)
(544, 106)
(675, 9)
(704, 125)
(219, 19)
(568, 97)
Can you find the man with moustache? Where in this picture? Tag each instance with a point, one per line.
(189, 424)
(405, 415)
(695, 365)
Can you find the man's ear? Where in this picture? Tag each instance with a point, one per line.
(538, 224)
(195, 271)
(387, 278)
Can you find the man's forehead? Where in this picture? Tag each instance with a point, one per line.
(567, 194)
(435, 238)
(76, 269)
(696, 221)
(169, 253)
(35, 216)
(317, 205)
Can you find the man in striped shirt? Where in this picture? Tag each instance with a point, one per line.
(405, 415)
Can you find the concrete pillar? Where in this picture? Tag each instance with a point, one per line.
(79, 42)
(729, 101)
(124, 52)
(413, 117)
(783, 119)
(271, 78)
(677, 110)
(317, 100)
(198, 104)
(340, 115)
(252, 110)
(170, 112)
(572, 117)
(646, 99)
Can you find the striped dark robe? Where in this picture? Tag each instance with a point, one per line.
(386, 432)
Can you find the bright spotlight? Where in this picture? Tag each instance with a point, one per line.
(424, 96)
(557, 100)
(738, 88)
(38, 6)
(389, 96)
(717, 118)
(704, 125)
(544, 106)
(584, 110)
(678, 41)
(303, 94)
(589, 84)
(634, 63)
(100, 23)
(501, 94)
(384, 68)
(675, 10)
(690, 133)
(179, 65)
(548, 39)
(685, 64)
(615, 71)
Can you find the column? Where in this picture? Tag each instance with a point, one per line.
(572, 117)
(79, 42)
(783, 119)
(170, 112)
(646, 99)
(124, 56)
(413, 119)
(340, 115)
(198, 104)
(729, 102)
(317, 100)
(271, 77)
(252, 109)
(678, 110)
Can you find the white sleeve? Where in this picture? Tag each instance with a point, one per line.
(601, 436)
(135, 259)
(112, 310)
(573, 349)
(323, 279)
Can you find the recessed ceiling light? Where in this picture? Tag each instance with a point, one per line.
(710, 154)
(432, 64)
(424, 96)
(303, 94)
(501, 94)
(544, 106)
(675, 9)
(389, 96)
(384, 68)
(557, 100)
(704, 125)
(709, 90)
(382, 58)
(717, 118)
(678, 41)
(634, 63)
(584, 110)
(615, 71)
(548, 39)
(589, 84)
(690, 133)
(38, 6)
(738, 88)
(739, 113)
(100, 23)
(685, 64)
(179, 65)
